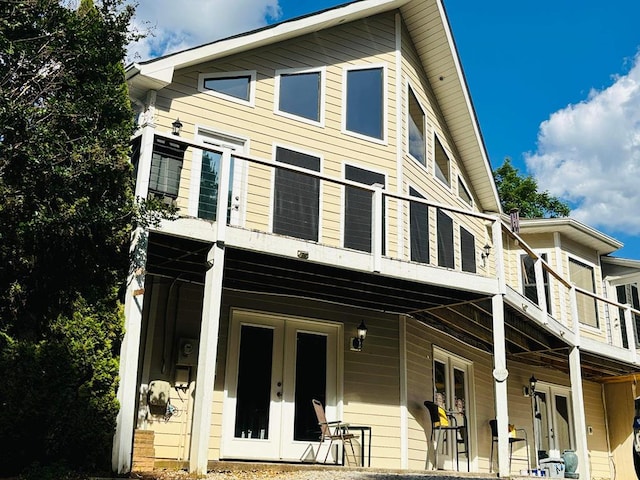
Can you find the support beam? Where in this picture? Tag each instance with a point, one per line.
(129, 354)
(579, 421)
(208, 350)
(500, 374)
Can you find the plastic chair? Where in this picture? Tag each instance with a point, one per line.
(513, 438)
(447, 422)
(340, 433)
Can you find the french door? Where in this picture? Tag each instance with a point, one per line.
(276, 365)
(452, 391)
(553, 419)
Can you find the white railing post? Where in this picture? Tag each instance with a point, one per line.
(631, 333)
(500, 374)
(377, 217)
(542, 297)
(498, 252)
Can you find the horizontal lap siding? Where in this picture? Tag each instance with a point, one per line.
(355, 44)
(597, 443)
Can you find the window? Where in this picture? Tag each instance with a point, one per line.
(299, 94)
(441, 163)
(445, 240)
(419, 229)
(529, 285)
(416, 129)
(235, 86)
(463, 192)
(468, 247)
(365, 102)
(582, 276)
(358, 208)
(166, 167)
(628, 294)
(296, 206)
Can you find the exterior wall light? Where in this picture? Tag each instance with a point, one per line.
(357, 342)
(486, 251)
(176, 127)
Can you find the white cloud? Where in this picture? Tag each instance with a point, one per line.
(177, 25)
(589, 154)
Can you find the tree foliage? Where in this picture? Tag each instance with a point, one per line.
(521, 192)
(65, 212)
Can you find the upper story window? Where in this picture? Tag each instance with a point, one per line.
(166, 167)
(442, 163)
(529, 284)
(583, 276)
(446, 254)
(365, 102)
(416, 128)
(463, 192)
(468, 250)
(628, 294)
(296, 207)
(419, 229)
(358, 208)
(234, 86)
(299, 94)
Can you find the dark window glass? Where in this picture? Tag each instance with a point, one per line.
(300, 95)
(419, 232)
(468, 246)
(527, 266)
(622, 298)
(365, 102)
(358, 208)
(209, 188)
(416, 129)
(238, 87)
(445, 240)
(311, 382)
(166, 167)
(463, 193)
(254, 382)
(296, 196)
(441, 163)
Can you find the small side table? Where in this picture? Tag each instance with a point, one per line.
(365, 445)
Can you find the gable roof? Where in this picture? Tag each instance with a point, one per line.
(429, 29)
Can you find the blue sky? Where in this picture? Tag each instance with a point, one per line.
(555, 84)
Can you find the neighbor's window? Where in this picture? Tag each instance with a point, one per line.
(445, 240)
(583, 276)
(296, 196)
(358, 208)
(442, 163)
(419, 229)
(299, 94)
(468, 250)
(365, 102)
(416, 129)
(236, 86)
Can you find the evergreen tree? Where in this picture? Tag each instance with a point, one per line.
(521, 192)
(65, 212)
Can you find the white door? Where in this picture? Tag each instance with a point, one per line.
(554, 419)
(451, 376)
(276, 365)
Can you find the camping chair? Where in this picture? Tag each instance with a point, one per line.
(515, 435)
(340, 433)
(447, 422)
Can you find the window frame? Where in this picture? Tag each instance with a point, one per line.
(220, 75)
(549, 286)
(592, 266)
(463, 184)
(321, 94)
(436, 141)
(384, 106)
(276, 163)
(411, 92)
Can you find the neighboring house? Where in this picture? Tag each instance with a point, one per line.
(330, 172)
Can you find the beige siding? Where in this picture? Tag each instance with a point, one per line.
(597, 443)
(619, 399)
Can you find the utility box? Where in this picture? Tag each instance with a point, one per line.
(553, 467)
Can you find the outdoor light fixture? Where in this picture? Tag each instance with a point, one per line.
(486, 250)
(357, 342)
(530, 390)
(177, 126)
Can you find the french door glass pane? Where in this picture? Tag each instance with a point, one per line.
(542, 422)
(562, 433)
(440, 383)
(468, 247)
(254, 382)
(358, 206)
(209, 186)
(311, 382)
(445, 240)
(459, 386)
(419, 214)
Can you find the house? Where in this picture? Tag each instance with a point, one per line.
(332, 183)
